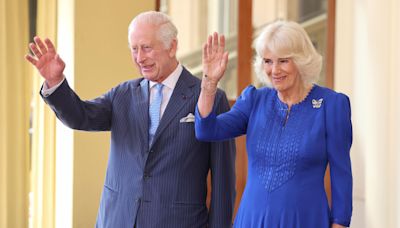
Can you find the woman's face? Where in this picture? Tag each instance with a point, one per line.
(282, 72)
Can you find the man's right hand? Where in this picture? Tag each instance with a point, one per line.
(47, 61)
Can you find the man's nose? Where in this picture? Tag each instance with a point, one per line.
(140, 56)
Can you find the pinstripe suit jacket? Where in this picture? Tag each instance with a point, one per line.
(163, 185)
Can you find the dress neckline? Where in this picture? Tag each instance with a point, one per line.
(298, 104)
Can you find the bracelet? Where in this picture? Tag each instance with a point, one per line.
(208, 86)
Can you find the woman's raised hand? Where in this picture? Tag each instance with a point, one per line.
(215, 58)
(47, 61)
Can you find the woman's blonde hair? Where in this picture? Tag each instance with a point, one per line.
(288, 39)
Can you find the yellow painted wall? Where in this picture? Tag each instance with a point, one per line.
(102, 60)
(14, 114)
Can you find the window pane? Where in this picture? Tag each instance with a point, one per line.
(196, 19)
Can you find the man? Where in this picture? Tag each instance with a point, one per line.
(157, 170)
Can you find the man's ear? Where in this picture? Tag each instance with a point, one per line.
(173, 48)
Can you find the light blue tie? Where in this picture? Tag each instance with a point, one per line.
(154, 111)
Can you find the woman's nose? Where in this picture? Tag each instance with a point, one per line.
(276, 69)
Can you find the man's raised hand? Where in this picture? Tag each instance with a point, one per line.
(47, 61)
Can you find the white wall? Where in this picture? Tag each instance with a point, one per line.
(366, 60)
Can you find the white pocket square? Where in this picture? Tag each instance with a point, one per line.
(187, 119)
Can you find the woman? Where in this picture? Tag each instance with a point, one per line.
(294, 129)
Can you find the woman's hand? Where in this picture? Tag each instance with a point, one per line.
(337, 226)
(47, 61)
(215, 58)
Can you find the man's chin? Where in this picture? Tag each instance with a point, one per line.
(147, 76)
(150, 77)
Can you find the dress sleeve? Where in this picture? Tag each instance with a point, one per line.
(339, 139)
(222, 166)
(227, 125)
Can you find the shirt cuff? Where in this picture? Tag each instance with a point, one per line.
(46, 91)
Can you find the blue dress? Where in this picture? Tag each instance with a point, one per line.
(288, 154)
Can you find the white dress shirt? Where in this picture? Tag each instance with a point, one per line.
(169, 86)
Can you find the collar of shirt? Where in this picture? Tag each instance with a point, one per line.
(169, 85)
(171, 80)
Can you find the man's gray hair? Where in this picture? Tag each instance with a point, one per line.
(167, 31)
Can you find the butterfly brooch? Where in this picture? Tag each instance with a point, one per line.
(317, 103)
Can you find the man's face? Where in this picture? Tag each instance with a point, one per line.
(154, 60)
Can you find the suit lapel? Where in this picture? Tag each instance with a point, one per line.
(140, 109)
(180, 96)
